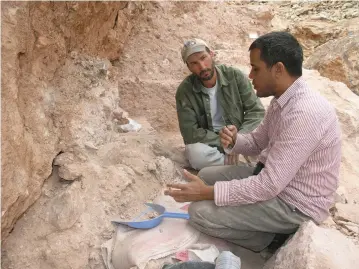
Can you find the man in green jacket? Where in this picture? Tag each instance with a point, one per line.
(212, 97)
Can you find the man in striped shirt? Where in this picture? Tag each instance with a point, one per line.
(299, 147)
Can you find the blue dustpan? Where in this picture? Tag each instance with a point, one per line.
(151, 223)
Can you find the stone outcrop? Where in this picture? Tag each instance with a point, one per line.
(347, 212)
(338, 60)
(313, 247)
(314, 33)
(36, 39)
(346, 105)
(315, 23)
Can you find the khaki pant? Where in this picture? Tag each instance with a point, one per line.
(252, 226)
(201, 155)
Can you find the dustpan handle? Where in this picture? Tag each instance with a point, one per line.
(176, 215)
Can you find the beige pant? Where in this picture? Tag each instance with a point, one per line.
(201, 155)
(252, 226)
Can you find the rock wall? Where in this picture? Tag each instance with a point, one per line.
(37, 38)
(314, 247)
(328, 32)
(338, 60)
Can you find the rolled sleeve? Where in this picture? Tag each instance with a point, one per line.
(221, 193)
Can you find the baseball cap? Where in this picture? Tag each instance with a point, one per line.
(192, 46)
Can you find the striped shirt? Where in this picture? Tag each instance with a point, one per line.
(299, 141)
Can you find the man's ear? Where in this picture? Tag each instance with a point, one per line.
(211, 52)
(279, 69)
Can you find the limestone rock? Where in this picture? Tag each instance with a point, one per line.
(338, 60)
(346, 105)
(64, 158)
(353, 227)
(171, 150)
(341, 195)
(348, 228)
(28, 137)
(67, 207)
(37, 113)
(65, 251)
(313, 247)
(131, 126)
(261, 12)
(312, 33)
(70, 171)
(329, 223)
(69, 167)
(347, 212)
(121, 116)
(151, 167)
(165, 169)
(278, 24)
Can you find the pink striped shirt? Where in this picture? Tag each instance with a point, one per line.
(299, 141)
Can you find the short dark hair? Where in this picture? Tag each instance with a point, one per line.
(280, 47)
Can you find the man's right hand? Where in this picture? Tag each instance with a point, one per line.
(228, 135)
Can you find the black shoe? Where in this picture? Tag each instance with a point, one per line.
(278, 241)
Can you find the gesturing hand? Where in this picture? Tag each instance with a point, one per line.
(228, 136)
(195, 190)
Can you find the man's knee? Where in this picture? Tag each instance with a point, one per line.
(196, 155)
(201, 155)
(199, 211)
(209, 175)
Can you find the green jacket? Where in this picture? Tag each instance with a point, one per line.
(240, 104)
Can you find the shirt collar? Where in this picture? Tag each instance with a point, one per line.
(291, 91)
(221, 80)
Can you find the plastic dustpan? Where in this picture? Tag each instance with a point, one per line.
(140, 223)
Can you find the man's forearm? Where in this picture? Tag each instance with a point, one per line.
(244, 145)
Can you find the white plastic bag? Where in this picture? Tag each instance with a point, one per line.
(136, 247)
(132, 126)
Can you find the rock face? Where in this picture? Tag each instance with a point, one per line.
(314, 23)
(346, 216)
(314, 33)
(332, 11)
(66, 208)
(348, 212)
(36, 39)
(313, 247)
(346, 105)
(338, 60)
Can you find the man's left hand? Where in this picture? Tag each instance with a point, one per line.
(195, 190)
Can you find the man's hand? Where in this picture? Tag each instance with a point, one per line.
(228, 136)
(195, 190)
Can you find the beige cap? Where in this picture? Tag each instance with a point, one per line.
(192, 46)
